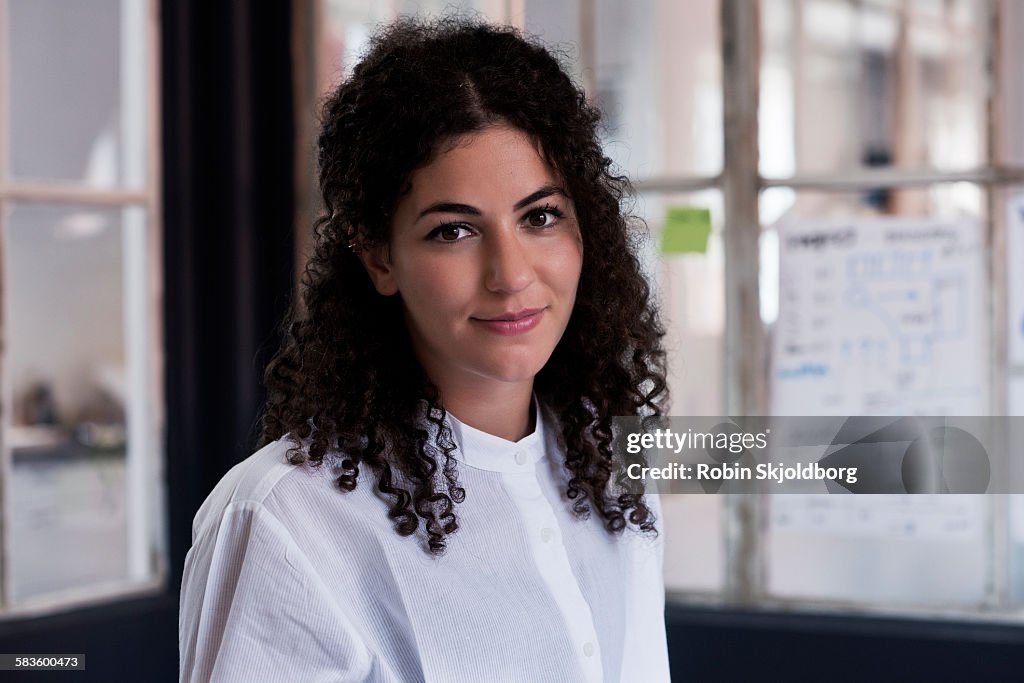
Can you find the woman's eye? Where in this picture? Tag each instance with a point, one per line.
(449, 232)
(542, 218)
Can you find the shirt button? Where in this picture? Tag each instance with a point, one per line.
(588, 649)
(520, 458)
(547, 534)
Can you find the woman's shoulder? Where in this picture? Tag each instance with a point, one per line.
(249, 483)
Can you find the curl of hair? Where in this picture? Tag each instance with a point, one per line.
(345, 384)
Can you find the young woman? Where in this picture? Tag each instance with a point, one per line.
(434, 500)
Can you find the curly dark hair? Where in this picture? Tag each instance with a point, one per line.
(346, 386)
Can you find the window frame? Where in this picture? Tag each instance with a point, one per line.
(148, 198)
(747, 373)
(227, 141)
(746, 358)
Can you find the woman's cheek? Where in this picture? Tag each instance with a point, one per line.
(570, 260)
(440, 281)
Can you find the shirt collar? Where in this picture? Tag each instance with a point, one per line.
(488, 452)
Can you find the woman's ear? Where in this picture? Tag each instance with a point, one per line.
(378, 265)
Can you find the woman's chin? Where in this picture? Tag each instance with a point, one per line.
(513, 373)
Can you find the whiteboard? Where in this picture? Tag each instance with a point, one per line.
(880, 316)
(1015, 276)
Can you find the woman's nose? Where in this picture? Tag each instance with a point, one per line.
(508, 264)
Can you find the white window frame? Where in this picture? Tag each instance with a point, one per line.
(140, 116)
(746, 360)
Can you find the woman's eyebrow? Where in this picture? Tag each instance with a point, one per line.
(454, 207)
(543, 192)
(450, 207)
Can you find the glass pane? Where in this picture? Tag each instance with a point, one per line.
(656, 75)
(81, 488)
(1015, 505)
(492, 9)
(558, 24)
(77, 77)
(1012, 198)
(688, 267)
(920, 550)
(694, 545)
(345, 33)
(659, 83)
(1008, 147)
(848, 85)
(350, 22)
(690, 277)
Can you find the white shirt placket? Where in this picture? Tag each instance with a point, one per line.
(552, 561)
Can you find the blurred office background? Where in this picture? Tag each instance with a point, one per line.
(157, 190)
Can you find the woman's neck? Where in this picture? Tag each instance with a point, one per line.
(504, 411)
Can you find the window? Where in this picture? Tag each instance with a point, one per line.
(878, 114)
(80, 281)
(774, 115)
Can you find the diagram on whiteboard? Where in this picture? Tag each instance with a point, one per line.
(880, 316)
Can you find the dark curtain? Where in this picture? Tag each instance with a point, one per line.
(229, 207)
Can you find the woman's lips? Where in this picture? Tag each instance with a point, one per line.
(513, 323)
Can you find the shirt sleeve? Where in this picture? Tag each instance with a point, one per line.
(254, 609)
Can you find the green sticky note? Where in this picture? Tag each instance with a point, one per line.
(686, 230)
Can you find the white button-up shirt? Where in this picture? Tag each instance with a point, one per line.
(290, 579)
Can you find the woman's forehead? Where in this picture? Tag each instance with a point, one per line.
(498, 159)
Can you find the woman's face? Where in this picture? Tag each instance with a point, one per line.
(486, 255)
